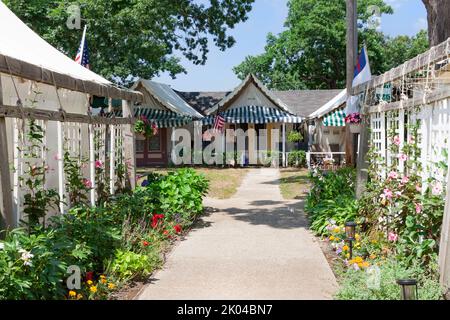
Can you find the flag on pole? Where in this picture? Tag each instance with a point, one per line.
(362, 69)
(219, 123)
(83, 51)
(362, 74)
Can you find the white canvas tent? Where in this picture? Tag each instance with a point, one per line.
(29, 65)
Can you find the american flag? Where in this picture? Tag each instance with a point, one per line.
(219, 123)
(83, 52)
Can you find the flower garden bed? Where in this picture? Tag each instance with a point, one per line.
(398, 224)
(121, 241)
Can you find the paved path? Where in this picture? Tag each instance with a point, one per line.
(255, 246)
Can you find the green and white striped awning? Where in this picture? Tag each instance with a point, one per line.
(254, 114)
(335, 119)
(162, 118)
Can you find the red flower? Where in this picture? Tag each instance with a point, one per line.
(89, 275)
(177, 228)
(145, 243)
(155, 219)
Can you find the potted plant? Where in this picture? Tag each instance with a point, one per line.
(144, 127)
(354, 121)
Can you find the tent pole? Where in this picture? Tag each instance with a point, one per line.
(284, 144)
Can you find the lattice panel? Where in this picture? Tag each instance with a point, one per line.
(439, 133)
(26, 154)
(73, 139)
(392, 129)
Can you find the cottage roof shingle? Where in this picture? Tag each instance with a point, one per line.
(202, 101)
(305, 102)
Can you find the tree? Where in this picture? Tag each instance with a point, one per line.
(438, 12)
(136, 38)
(311, 53)
(403, 48)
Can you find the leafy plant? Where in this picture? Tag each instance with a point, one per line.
(294, 136)
(129, 265)
(297, 158)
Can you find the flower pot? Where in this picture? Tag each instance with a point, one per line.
(355, 127)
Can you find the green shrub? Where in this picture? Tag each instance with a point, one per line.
(129, 265)
(294, 136)
(297, 158)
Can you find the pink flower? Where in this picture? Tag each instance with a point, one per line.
(397, 140)
(87, 183)
(411, 140)
(392, 237)
(418, 188)
(387, 193)
(418, 208)
(98, 164)
(405, 180)
(393, 175)
(403, 157)
(56, 157)
(437, 189)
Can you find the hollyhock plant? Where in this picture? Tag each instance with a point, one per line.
(405, 180)
(388, 193)
(393, 175)
(397, 140)
(437, 189)
(392, 237)
(418, 208)
(87, 183)
(98, 164)
(403, 157)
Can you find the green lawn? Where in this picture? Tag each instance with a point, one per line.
(223, 182)
(294, 183)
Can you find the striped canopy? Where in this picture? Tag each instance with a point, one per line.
(162, 118)
(335, 119)
(254, 114)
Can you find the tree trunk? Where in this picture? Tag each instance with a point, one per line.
(438, 20)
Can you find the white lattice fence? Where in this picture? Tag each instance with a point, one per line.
(97, 145)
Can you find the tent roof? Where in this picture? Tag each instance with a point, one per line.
(19, 45)
(165, 95)
(249, 79)
(331, 105)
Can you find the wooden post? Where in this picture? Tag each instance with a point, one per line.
(129, 142)
(352, 48)
(444, 247)
(60, 159)
(284, 144)
(112, 159)
(362, 164)
(92, 163)
(7, 216)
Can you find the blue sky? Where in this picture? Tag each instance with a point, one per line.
(268, 16)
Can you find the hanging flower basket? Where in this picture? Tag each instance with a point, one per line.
(145, 128)
(354, 122)
(355, 127)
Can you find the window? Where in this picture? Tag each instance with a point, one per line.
(154, 143)
(140, 145)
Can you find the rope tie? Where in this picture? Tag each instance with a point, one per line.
(19, 101)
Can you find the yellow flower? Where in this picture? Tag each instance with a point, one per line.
(103, 281)
(331, 238)
(72, 293)
(89, 282)
(93, 289)
(345, 248)
(79, 296)
(102, 277)
(347, 255)
(111, 286)
(372, 256)
(374, 241)
(336, 230)
(357, 237)
(365, 264)
(337, 239)
(359, 259)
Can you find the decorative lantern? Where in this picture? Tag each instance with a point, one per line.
(350, 230)
(409, 289)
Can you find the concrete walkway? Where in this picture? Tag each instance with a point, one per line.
(254, 246)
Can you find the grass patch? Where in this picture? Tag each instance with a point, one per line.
(223, 182)
(294, 183)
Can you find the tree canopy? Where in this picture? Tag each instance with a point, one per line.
(311, 52)
(136, 38)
